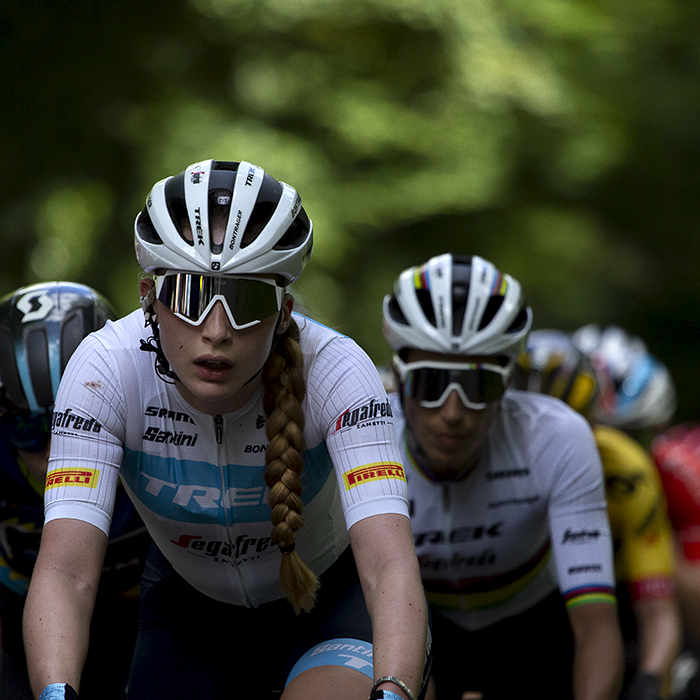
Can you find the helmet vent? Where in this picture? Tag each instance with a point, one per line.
(395, 312)
(146, 229)
(73, 330)
(10, 374)
(36, 345)
(296, 234)
(268, 199)
(520, 321)
(492, 307)
(426, 303)
(175, 201)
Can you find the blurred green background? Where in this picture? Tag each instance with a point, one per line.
(558, 138)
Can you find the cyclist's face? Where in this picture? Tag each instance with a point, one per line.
(219, 368)
(450, 436)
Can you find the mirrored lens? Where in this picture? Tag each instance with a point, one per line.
(430, 384)
(191, 297)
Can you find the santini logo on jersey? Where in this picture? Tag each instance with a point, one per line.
(174, 438)
(373, 472)
(86, 478)
(370, 412)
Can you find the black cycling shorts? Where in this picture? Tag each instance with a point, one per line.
(191, 646)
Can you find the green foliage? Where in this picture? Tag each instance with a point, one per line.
(557, 138)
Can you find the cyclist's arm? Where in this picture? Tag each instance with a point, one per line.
(60, 602)
(598, 653)
(388, 568)
(659, 630)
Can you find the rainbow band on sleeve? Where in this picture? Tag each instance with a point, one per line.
(589, 594)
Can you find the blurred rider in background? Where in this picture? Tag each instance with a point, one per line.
(507, 496)
(40, 327)
(641, 530)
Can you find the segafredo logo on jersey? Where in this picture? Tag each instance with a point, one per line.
(372, 411)
(69, 421)
(373, 472)
(87, 478)
(243, 547)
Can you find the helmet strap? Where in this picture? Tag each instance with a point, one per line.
(153, 345)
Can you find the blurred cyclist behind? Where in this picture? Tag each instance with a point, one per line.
(676, 452)
(40, 327)
(506, 492)
(641, 530)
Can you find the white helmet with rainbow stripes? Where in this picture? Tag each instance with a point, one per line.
(457, 305)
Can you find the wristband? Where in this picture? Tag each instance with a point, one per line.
(374, 695)
(58, 691)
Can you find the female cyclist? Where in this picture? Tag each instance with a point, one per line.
(226, 416)
(506, 493)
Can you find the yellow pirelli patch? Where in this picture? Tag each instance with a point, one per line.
(72, 477)
(373, 472)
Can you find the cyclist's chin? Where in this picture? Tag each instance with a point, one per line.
(216, 395)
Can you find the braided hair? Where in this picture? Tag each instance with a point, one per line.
(283, 379)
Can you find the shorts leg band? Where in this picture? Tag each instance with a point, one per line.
(349, 653)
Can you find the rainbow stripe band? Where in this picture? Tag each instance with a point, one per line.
(589, 594)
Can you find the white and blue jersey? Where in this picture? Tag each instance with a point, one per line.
(530, 517)
(197, 480)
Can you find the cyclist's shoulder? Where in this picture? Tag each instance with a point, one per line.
(621, 454)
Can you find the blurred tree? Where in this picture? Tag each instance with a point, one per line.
(557, 138)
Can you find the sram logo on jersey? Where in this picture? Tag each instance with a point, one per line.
(69, 421)
(373, 472)
(243, 547)
(160, 412)
(153, 434)
(86, 478)
(370, 412)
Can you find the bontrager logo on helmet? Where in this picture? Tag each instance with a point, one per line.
(457, 305)
(224, 217)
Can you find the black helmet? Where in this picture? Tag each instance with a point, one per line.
(40, 327)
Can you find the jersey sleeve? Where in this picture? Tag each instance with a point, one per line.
(579, 525)
(357, 424)
(87, 439)
(638, 517)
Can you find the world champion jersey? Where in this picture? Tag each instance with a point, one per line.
(197, 479)
(641, 530)
(530, 517)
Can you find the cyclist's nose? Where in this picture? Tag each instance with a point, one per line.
(216, 327)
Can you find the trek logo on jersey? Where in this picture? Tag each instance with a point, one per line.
(373, 472)
(160, 412)
(86, 478)
(183, 439)
(369, 414)
(68, 421)
(469, 533)
(580, 537)
(243, 547)
(507, 474)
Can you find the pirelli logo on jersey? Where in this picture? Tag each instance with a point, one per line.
(72, 477)
(373, 472)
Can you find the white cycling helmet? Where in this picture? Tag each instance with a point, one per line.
(457, 305)
(267, 232)
(637, 390)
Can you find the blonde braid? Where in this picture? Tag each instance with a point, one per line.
(284, 391)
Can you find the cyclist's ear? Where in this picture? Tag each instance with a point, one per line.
(285, 314)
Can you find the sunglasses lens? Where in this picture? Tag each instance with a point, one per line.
(429, 385)
(191, 297)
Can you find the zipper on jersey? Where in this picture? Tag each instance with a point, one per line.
(219, 431)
